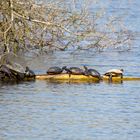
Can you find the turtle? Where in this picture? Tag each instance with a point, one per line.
(5, 72)
(11, 72)
(74, 71)
(12, 67)
(20, 71)
(29, 72)
(92, 72)
(114, 73)
(13, 62)
(17, 70)
(55, 70)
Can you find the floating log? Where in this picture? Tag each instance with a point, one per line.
(125, 78)
(65, 76)
(72, 77)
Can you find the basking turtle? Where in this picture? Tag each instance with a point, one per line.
(92, 72)
(11, 72)
(13, 62)
(20, 72)
(17, 70)
(74, 71)
(114, 73)
(55, 70)
(29, 72)
(15, 67)
(12, 67)
(5, 72)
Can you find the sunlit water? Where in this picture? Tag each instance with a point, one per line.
(76, 111)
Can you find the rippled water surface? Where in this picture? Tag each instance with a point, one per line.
(77, 111)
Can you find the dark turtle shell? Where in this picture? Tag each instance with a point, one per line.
(55, 70)
(5, 72)
(12, 67)
(13, 62)
(74, 70)
(10, 74)
(92, 72)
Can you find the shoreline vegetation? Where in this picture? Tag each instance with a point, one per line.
(58, 25)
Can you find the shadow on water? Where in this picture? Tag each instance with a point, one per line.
(11, 82)
(57, 82)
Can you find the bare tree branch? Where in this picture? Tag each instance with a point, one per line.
(57, 26)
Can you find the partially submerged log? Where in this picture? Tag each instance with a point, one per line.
(125, 78)
(64, 77)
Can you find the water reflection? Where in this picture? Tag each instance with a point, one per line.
(61, 110)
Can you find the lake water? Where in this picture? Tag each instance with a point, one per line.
(77, 111)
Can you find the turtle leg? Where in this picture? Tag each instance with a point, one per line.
(110, 77)
(83, 73)
(121, 78)
(2, 76)
(90, 74)
(97, 76)
(101, 77)
(86, 73)
(69, 74)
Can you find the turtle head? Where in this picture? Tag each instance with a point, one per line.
(27, 69)
(122, 70)
(85, 67)
(64, 67)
